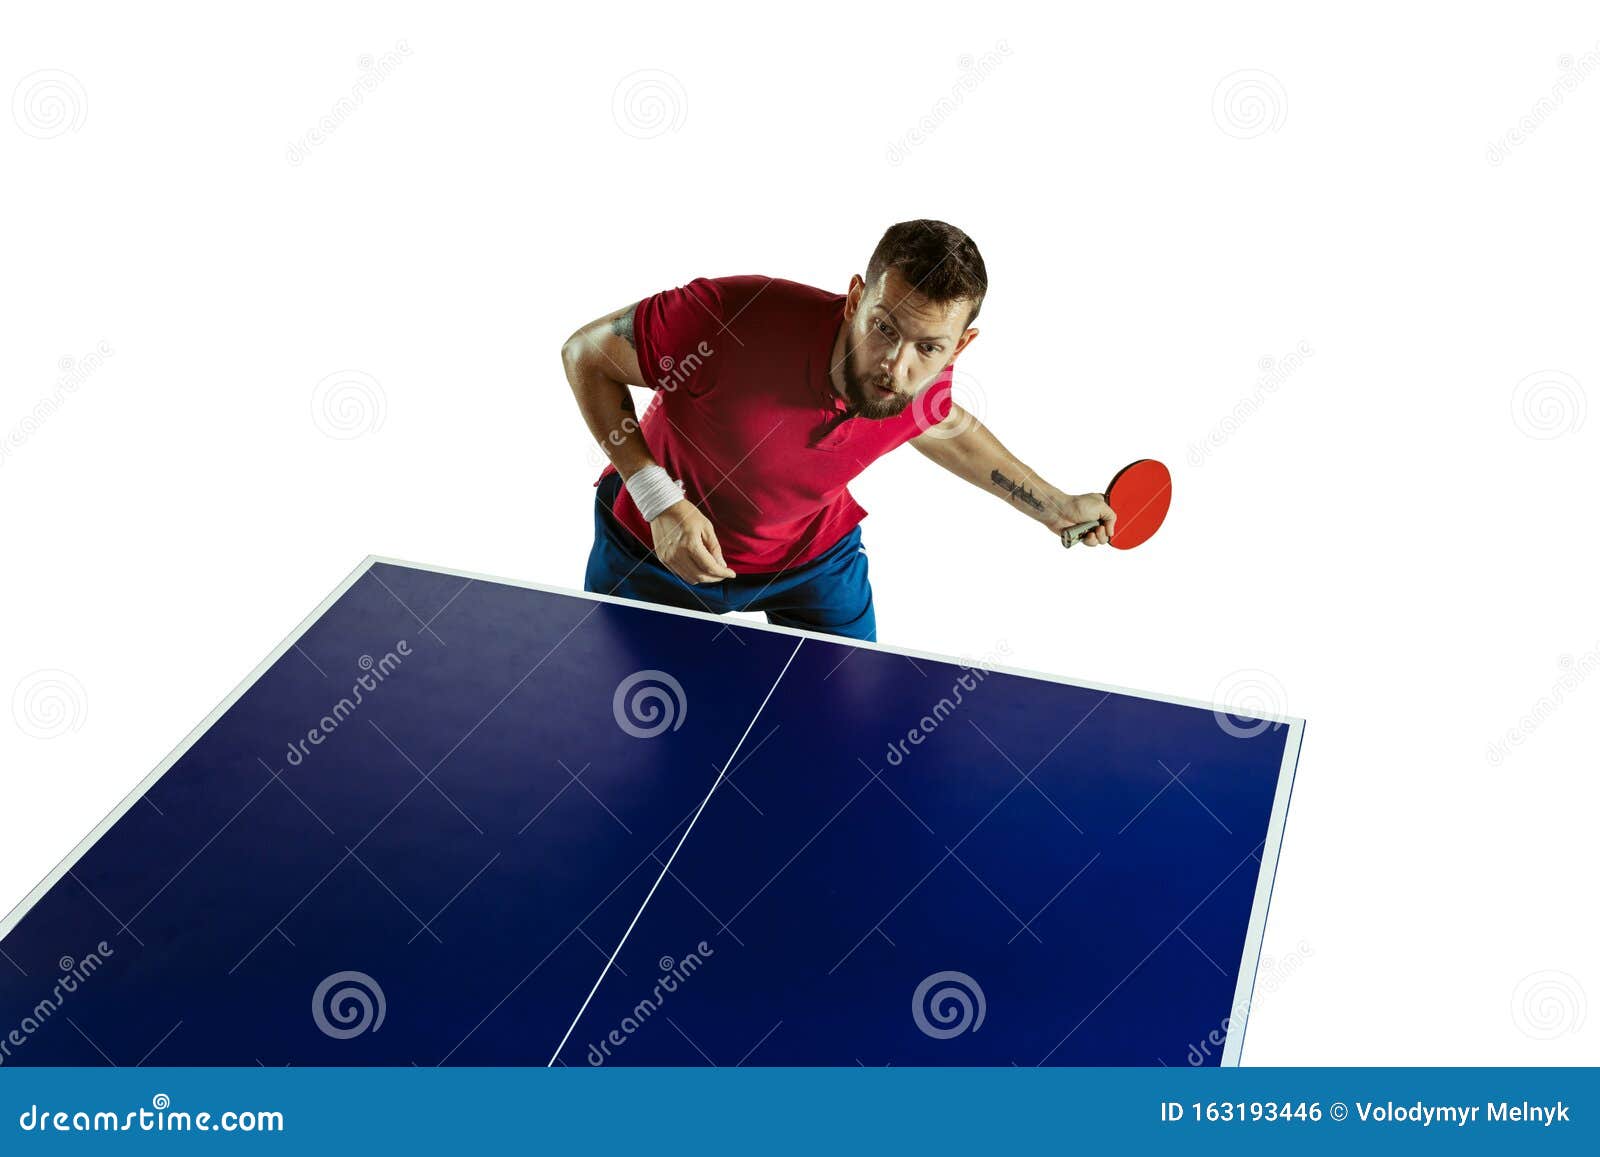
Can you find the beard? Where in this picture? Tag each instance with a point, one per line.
(861, 392)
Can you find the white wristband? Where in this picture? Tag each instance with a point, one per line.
(653, 490)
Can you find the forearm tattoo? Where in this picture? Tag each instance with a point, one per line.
(1015, 490)
(622, 326)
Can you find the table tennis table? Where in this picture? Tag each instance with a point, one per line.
(465, 821)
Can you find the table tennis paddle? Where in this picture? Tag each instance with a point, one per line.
(1140, 494)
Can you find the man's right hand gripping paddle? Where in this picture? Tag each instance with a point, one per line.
(1139, 497)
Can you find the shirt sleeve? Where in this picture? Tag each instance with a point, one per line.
(675, 333)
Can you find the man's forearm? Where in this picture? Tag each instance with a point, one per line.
(972, 452)
(1021, 491)
(608, 411)
(601, 390)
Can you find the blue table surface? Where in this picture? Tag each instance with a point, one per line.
(481, 831)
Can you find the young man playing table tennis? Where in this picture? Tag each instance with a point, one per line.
(731, 492)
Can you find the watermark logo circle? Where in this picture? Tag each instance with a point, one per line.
(349, 404)
(348, 1004)
(1549, 1004)
(948, 1004)
(1243, 697)
(161, 1102)
(49, 704)
(648, 703)
(649, 103)
(1549, 404)
(1249, 103)
(49, 103)
(965, 391)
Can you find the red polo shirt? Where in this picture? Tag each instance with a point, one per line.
(745, 414)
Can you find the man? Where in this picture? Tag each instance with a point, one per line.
(731, 493)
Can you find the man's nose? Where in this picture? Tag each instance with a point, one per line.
(900, 365)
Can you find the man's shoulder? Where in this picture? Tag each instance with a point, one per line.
(771, 321)
(743, 291)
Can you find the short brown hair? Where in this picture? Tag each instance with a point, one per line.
(941, 262)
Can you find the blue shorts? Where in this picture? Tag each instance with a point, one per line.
(830, 593)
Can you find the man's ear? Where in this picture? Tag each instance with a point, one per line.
(963, 342)
(853, 295)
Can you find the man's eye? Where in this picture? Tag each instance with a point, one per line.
(885, 329)
(930, 350)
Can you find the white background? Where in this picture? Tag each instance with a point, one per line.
(1395, 542)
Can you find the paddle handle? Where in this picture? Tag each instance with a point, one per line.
(1073, 533)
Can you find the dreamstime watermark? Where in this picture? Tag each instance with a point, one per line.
(159, 1118)
(348, 404)
(374, 71)
(49, 103)
(1573, 673)
(74, 372)
(966, 392)
(1574, 71)
(1549, 404)
(1248, 103)
(1243, 698)
(948, 1004)
(649, 703)
(74, 973)
(1274, 372)
(974, 71)
(1550, 1004)
(649, 103)
(987, 661)
(348, 1004)
(49, 704)
(1270, 977)
(375, 672)
(973, 675)
(673, 373)
(674, 973)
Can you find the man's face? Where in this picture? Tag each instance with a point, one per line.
(896, 342)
